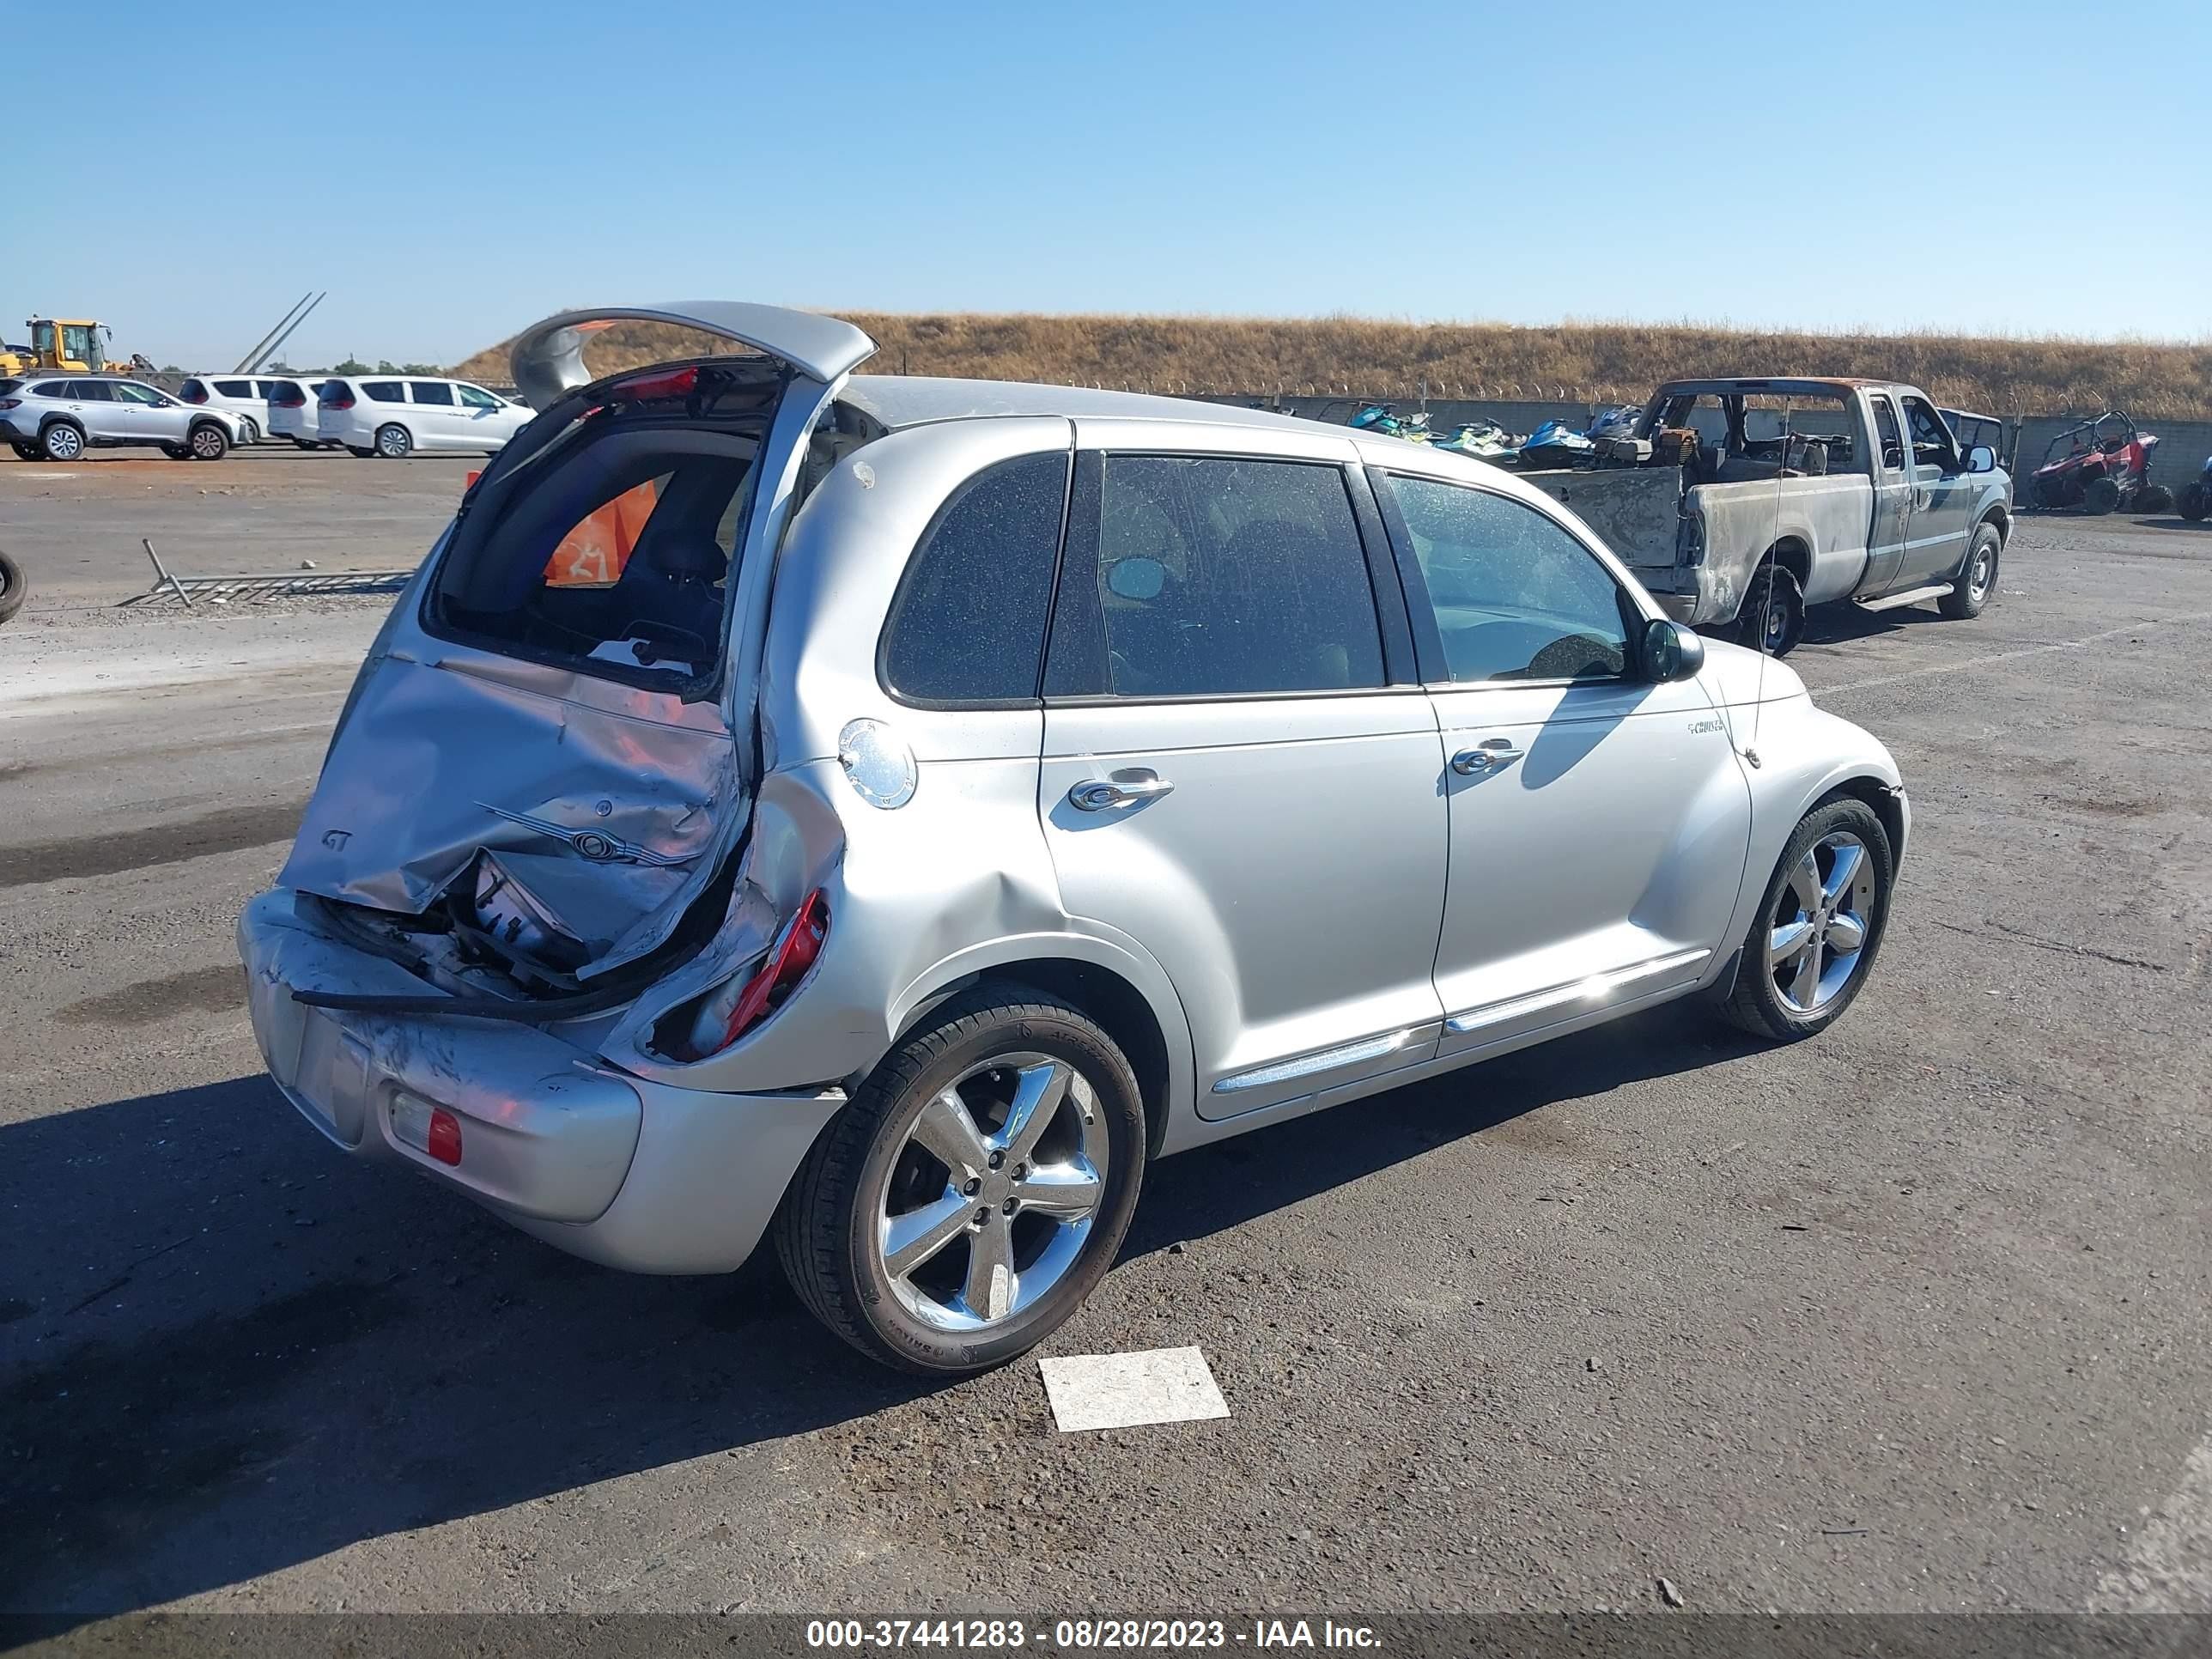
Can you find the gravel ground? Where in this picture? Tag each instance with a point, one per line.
(1916, 1317)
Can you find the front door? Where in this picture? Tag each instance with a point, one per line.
(1944, 495)
(485, 422)
(147, 416)
(1234, 772)
(1599, 822)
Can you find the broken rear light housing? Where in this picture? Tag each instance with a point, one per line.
(717, 1021)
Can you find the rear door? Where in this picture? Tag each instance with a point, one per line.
(1238, 772)
(94, 404)
(606, 768)
(1598, 822)
(438, 416)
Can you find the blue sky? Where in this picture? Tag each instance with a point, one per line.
(451, 172)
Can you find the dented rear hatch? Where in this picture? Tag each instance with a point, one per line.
(549, 755)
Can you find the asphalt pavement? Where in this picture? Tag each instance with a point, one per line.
(1915, 1316)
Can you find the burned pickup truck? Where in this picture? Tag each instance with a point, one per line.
(1858, 489)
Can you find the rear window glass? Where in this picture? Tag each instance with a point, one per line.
(616, 561)
(235, 388)
(968, 625)
(431, 391)
(384, 391)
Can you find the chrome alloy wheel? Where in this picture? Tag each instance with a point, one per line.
(1983, 574)
(207, 442)
(991, 1201)
(1821, 922)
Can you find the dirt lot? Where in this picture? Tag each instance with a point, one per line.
(1916, 1317)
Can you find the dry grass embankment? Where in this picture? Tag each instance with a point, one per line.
(1576, 361)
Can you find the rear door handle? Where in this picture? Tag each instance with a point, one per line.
(1485, 756)
(1124, 789)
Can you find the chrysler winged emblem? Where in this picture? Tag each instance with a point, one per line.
(593, 844)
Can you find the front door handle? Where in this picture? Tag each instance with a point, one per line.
(1485, 756)
(1124, 789)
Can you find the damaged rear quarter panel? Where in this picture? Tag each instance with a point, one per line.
(1831, 516)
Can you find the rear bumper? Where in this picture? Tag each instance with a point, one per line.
(634, 1174)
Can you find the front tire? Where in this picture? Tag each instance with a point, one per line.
(1977, 579)
(1819, 926)
(1772, 615)
(975, 1188)
(393, 442)
(60, 443)
(207, 442)
(2100, 496)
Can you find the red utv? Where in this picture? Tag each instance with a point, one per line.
(2100, 466)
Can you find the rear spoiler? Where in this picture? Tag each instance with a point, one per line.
(548, 357)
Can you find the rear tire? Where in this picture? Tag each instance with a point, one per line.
(832, 1231)
(61, 443)
(1799, 896)
(364, 454)
(1772, 615)
(1978, 579)
(393, 442)
(176, 452)
(303, 444)
(2153, 498)
(2195, 502)
(13, 588)
(25, 452)
(2100, 496)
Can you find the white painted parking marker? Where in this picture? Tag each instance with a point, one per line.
(1125, 1390)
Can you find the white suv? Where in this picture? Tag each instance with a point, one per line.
(249, 397)
(393, 416)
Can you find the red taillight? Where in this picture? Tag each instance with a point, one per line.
(195, 393)
(11, 402)
(676, 383)
(786, 965)
(445, 1143)
(338, 400)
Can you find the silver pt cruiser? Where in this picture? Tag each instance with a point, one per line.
(888, 813)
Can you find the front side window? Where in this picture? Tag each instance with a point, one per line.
(1215, 577)
(127, 392)
(1932, 443)
(477, 398)
(1515, 596)
(615, 561)
(384, 391)
(432, 392)
(968, 625)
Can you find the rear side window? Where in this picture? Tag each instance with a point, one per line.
(968, 625)
(1220, 578)
(235, 388)
(384, 391)
(92, 392)
(50, 389)
(429, 391)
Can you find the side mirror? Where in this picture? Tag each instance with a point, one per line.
(1671, 650)
(1981, 459)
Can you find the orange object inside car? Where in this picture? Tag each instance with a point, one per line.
(595, 552)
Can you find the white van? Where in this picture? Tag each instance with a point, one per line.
(393, 416)
(292, 412)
